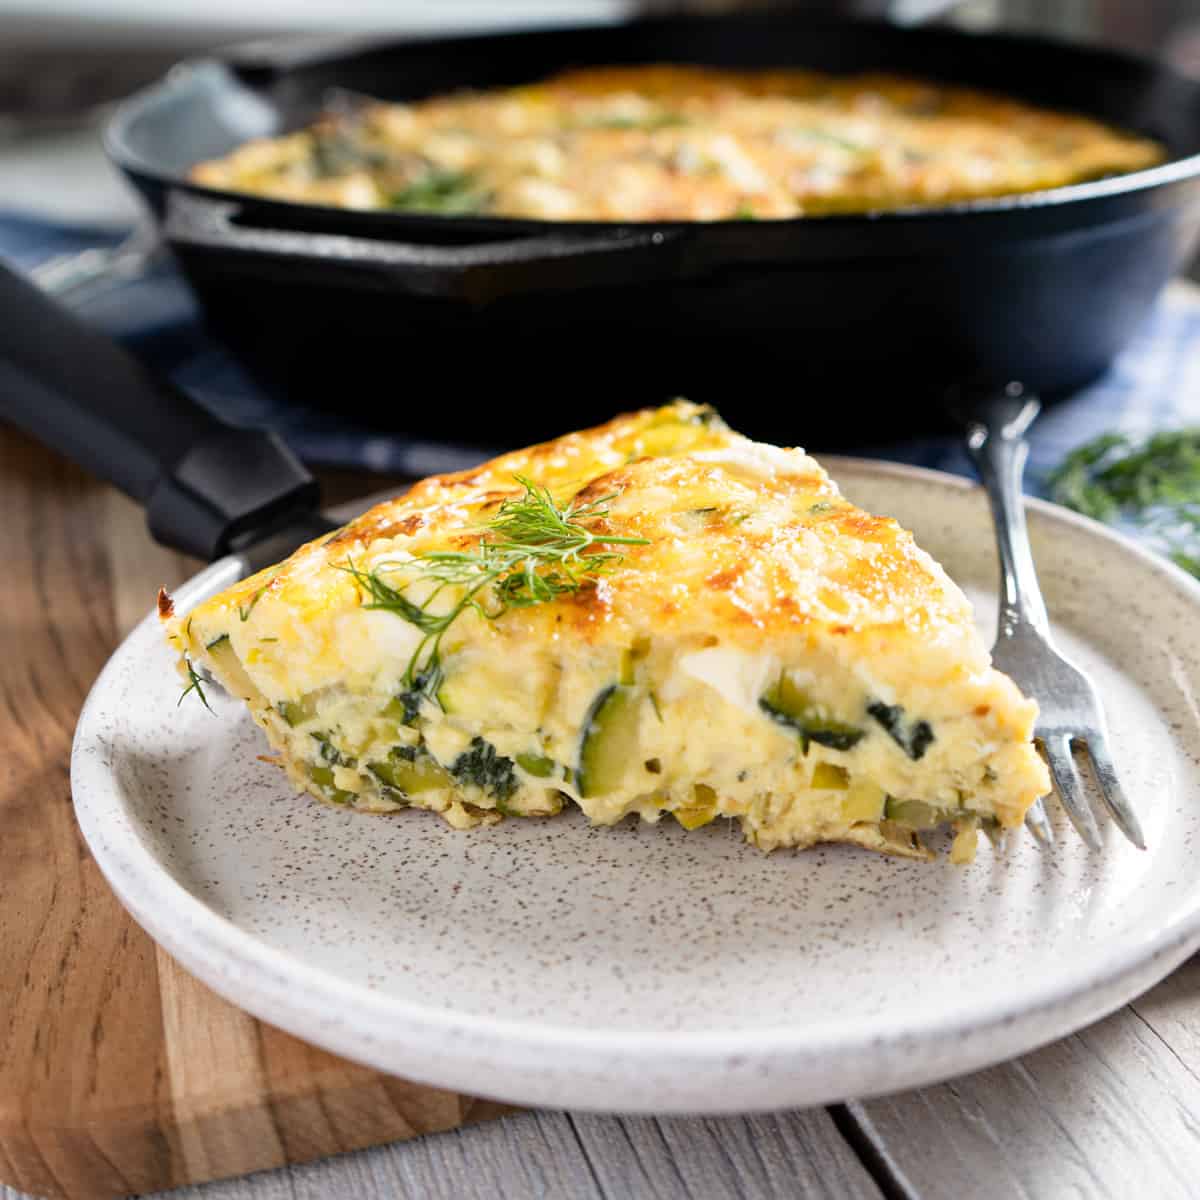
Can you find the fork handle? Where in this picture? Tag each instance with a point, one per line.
(996, 441)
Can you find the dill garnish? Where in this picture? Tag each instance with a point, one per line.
(244, 613)
(1154, 485)
(195, 684)
(650, 122)
(531, 552)
(440, 192)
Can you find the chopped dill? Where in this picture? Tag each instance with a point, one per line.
(531, 552)
(244, 613)
(1153, 485)
(829, 137)
(195, 684)
(440, 191)
(649, 122)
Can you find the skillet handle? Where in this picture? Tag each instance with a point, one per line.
(208, 488)
(477, 272)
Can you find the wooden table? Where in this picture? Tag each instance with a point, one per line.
(1113, 1111)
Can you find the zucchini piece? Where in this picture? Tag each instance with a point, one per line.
(230, 670)
(537, 765)
(830, 776)
(863, 801)
(409, 772)
(455, 695)
(625, 674)
(789, 705)
(323, 776)
(695, 817)
(966, 839)
(701, 811)
(610, 740)
(296, 712)
(916, 814)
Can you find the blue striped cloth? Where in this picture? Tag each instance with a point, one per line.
(1154, 385)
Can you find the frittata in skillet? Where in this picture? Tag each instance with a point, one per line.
(667, 143)
(657, 616)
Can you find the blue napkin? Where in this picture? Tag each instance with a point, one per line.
(156, 317)
(1155, 384)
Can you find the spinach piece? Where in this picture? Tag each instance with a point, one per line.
(914, 739)
(330, 753)
(481, 766)
(405, 706)
(337, 153)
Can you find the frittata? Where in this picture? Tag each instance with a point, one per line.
(657, 616)
(666, 143)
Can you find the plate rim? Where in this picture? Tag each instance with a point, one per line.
(280, 988)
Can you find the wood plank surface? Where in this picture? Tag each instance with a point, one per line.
(1113, 1111)
(557, 1156)
(119, 1073)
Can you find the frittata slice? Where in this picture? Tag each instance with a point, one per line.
(654, 616)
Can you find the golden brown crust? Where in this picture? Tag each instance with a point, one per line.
(771, 567)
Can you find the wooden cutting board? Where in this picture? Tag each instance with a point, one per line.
(119, 1072)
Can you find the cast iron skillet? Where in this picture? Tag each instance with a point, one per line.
(829, 329)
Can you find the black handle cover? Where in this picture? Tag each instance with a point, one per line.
(208, 488)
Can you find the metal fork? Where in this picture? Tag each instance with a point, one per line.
(1071, 714)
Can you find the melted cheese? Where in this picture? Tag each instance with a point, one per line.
(740, 679)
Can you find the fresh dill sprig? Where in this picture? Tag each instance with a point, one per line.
(531, 552)
(244, 613)
(1154, 485)
(195, 684)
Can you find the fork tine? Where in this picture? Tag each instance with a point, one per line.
(1112, 792)
(1038, 825)
(1070, 788)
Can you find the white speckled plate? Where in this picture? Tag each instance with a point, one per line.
(642, 967)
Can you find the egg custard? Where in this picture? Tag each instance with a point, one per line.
(657, 616)
(681, 143)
